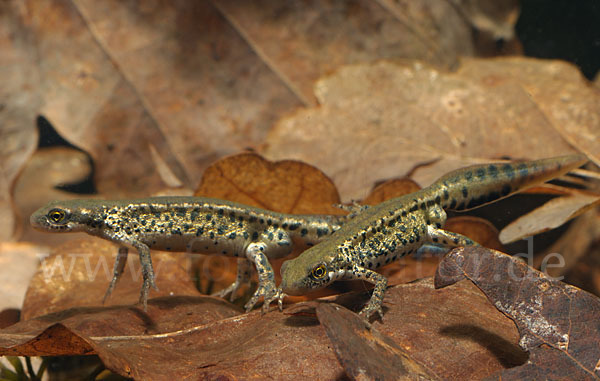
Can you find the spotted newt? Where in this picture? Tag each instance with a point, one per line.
(191, 224)
(397, 227)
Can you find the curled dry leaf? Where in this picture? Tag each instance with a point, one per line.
(553, 317)
(363, 351)
(549, 216)
(285, 186)
(195, 336)
(381, 120)
(390, 189)
(77, 274)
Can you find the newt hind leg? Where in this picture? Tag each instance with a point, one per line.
(118, 269)
(244, 270)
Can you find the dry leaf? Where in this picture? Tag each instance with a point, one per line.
(196, 80)
(549, 216)
(381, 120)
(285, 186)
(363, 351)
(77, 274)
(566, 99)
(553, 318)
(390, 189)
(426, 323)
(301, 42)
(195, 76)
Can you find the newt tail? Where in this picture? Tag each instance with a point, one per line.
(474, 186)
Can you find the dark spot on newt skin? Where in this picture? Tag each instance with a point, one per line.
(468, 175)
(423, 206)
(455, 240)
(220, 212)
(261, 221)
(480, 173)
(254, 236)
(252, 219)
(208, 217)
(212, 235)
(509, 171)
(465, 192)
(414, 208)
(271, 236)
(453, 203)
(523, 170)
(446, 194)
(232, 236)
(199, 231)
(294, 226)
(303, 232)
(269, 222)
(438, 199)
(322, 231)
(493, 171)
(246, 235)
(221, 229)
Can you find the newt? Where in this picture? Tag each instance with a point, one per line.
(399, 226)
(191, 224)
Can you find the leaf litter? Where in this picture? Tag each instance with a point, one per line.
(126, 117)
(553, 318)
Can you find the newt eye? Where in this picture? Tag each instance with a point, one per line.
(318, 272)
(56, 215)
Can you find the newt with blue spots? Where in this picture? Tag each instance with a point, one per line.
(397, 227)
(192, 224)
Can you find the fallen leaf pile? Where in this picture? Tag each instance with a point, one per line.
(303, 108)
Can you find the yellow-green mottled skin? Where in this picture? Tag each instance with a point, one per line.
(397, 227)
(192, 224)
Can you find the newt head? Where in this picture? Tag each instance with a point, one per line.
(310, 271)
(63, 216)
